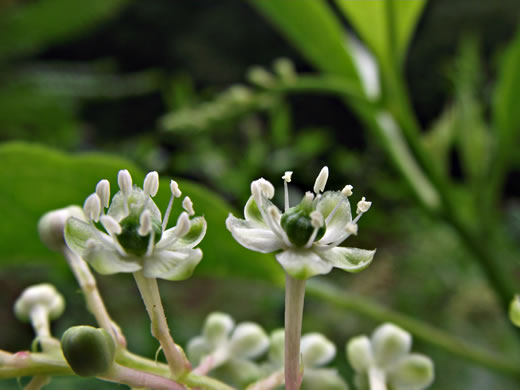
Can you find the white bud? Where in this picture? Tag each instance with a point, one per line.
(41, 295)
(145, 223)
(217, 328)
(110, 224)
(359, 353)
(187, 205)
(276, 346)
(92, 207)
(197, 349)
(183, 225)
(124, 180)
(316, 219)
(363, 206)
(352, 228)
(390, 343)
(174, 187)
(287, 177)
(103, 191)
(317, 350)
(260, 77)
(321, 180)
(514, 310)
(248, 341)
(151, 184)
(347, 190)
(52, 225)
(414, 371)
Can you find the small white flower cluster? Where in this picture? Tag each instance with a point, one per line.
(384, 361)
(306, 237)
(135, 236)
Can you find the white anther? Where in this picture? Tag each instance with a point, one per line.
(183, 225)
(352, 228)
(321, 180)
(308, 197)
(103, 191)
(316, 219)
(363, 206)
(174, 187)
(111, 225)
(187, 205)
(124, 180)
(347, 190)
(145, 223)
(151, 184)
(92, 207)
(274, 213)
(287, 177)
(266, 187)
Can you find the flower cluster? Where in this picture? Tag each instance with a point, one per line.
(129, 234)
(305, 237)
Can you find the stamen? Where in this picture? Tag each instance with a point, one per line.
(187, 205)
(124, 180)
(151, 184)
(151, 244)
(92, 207)
(352, 228)
(264, 186)
(321, 180)
(317, 222)
(363, 206)
(176, 192)
(111, 225)
(286, 179)
(347, 190)
(183, 225)
(274, 223)
(103, 191)
(145, 223)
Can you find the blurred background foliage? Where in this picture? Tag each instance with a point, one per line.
(169, 86)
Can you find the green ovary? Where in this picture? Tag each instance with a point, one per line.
(131, 240)
(297, 224)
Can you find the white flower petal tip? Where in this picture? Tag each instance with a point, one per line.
(252, 236)
(124, 180)
(136, 239)
(187, 205)
(321, 180)
(347, 190)
(363, 206)
(151, 184)
(287, 177)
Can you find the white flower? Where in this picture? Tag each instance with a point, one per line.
(135, 236)
(386, 357)
(306, 237)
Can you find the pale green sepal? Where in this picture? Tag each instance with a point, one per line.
(302, 263)
(252, 212)
(390, 344)
(252, 236)
(359, 353)
(347, 259)
(336, 226)
(414, 372)
(178, 265)
(107, 261)
(323, 379)
(77, 233)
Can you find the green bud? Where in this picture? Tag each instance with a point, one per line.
(359, 353)
(88, 350)
(514, 310)
(317, 350)
(390, 343)
(217, 328)
(297, 223)
(248, 341)
(277, 345)
(413, 372)
(323, 379)
(131, 240)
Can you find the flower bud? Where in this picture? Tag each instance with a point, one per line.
(89, 351)
(217, 328)
(323, 379)
(317, 350)
(514, 310)
(390, 343)
(359, 353)
(44, 295)
(413, 372)
(241, 371)
(197, 348)
(276, 346)
(248, 341)
(51, 226)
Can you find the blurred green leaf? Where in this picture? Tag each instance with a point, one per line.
(29, 28)
(439, 140)
(312, 27)
(386, 26)
(37, 179)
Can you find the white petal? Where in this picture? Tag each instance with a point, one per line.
(77, 233)
(336, 227)
(172, 265)
(252, 236)
(190, 240)
(302, 263)
(107, 261)
(252, 212)
(348, 259)
(413, 372)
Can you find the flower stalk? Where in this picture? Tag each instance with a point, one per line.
(294, 299)
(376, 378)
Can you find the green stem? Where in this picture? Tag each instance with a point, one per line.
(149, 290)
(294, 297)
(31, 364)
(37, 382)
(427, 333)
(136, 378)
(205, 382)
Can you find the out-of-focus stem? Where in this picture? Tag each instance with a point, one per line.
(140, 379)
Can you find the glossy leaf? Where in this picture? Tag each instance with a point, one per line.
(36, 179)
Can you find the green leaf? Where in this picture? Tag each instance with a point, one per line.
(386, 26)
(312, 27)
(37, 179)
(30, 28)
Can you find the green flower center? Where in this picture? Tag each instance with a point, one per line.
(131, 240)
(297, 224)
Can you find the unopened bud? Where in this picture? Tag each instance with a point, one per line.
(43, 295)
(390, 343)
(217, 328)
(51, 226)
(248, 340)
(317, 350)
